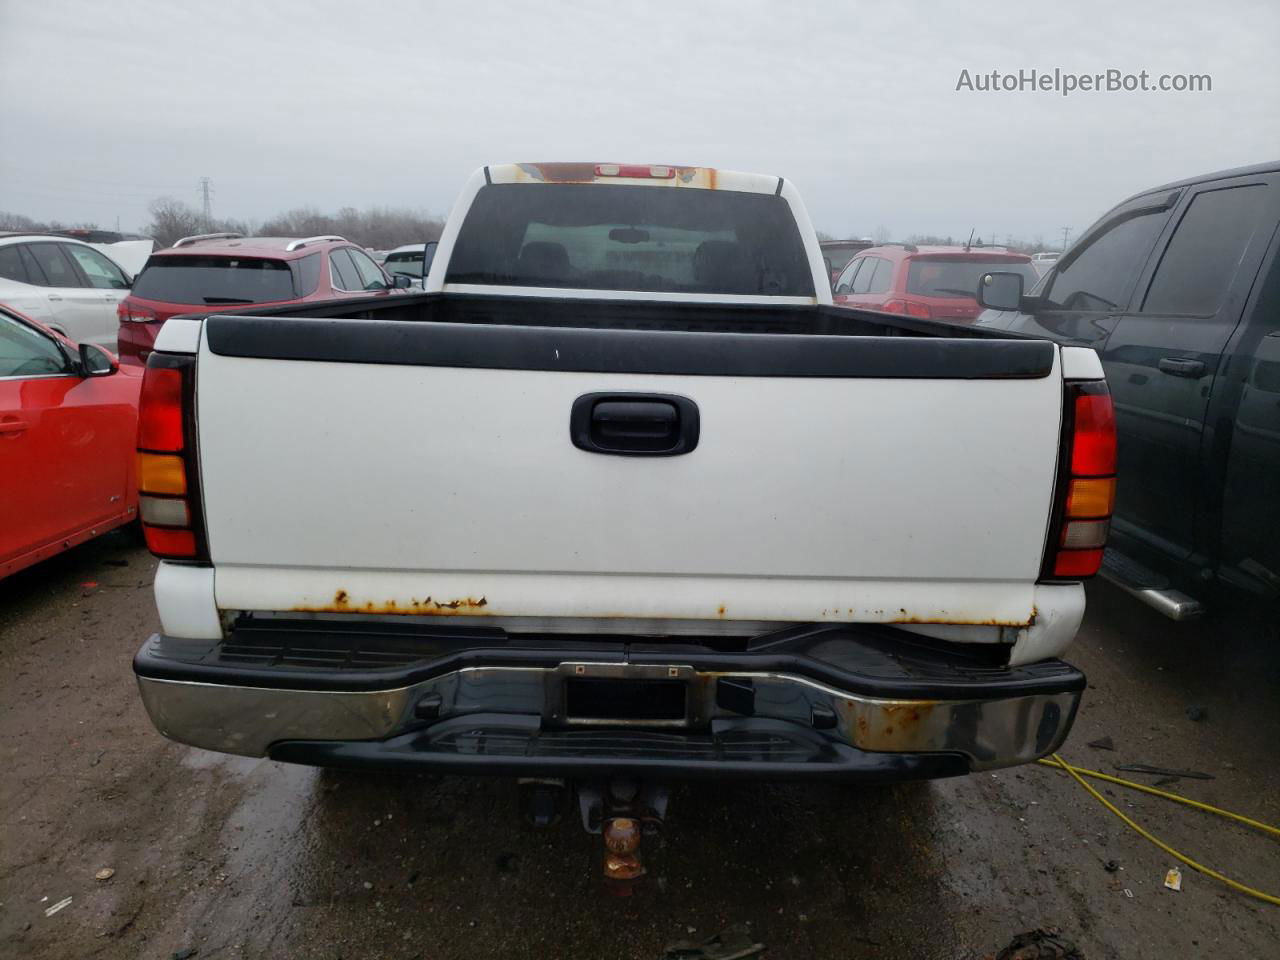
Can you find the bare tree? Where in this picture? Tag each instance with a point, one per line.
(882, 235)
(170, 220)
(16, 221)
(377, 227)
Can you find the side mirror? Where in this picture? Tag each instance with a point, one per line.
(1000, 291)
(401, 281)
(96, 362)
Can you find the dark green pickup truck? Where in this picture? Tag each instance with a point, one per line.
(1178, 289)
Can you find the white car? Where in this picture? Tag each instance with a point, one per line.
(65, 284)
(1044, 260)
(410, 260)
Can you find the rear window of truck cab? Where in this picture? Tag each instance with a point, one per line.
(648, 239)
(211, 279)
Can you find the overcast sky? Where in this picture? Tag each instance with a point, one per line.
(104, 106)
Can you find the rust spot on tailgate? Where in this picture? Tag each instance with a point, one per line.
(342, 603)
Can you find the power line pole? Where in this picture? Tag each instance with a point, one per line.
(1066, 232)
(206, 212)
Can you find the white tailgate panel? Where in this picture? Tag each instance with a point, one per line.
(359, 486)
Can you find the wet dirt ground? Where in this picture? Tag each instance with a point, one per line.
(222, 857)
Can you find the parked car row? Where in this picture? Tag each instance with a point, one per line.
(112, 289)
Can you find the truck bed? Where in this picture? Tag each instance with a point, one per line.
(682, 316)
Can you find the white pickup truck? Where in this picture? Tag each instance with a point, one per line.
(620, 497)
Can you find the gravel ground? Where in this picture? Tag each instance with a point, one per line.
(226, 857)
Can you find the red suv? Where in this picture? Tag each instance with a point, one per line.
(214, 271)
(940, 283)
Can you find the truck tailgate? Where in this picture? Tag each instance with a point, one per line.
(423, 468)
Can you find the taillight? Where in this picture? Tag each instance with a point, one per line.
(908, 308)
(129, 313)
(168, 483)
(1086, 483)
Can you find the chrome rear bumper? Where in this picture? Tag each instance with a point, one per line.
(780, 718)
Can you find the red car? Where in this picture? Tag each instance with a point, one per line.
(215, 271)
(68, 427)
(940, 283)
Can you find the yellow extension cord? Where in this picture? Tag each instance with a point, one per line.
(1079, 773)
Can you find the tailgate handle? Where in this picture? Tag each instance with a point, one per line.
(634, 424)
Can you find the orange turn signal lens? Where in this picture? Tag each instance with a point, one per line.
(1091, 497)
(161, 473)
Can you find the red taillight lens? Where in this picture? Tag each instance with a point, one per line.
(1077, 564)
(1093, 442)
(128, 313)
(170, 544)
(908, 308)
(1087, 485)
(160, 410)
(167, 477)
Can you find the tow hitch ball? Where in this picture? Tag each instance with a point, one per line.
(622, 812)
